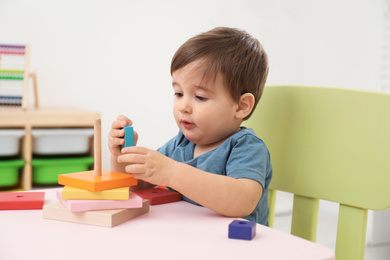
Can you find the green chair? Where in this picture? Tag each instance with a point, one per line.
(328, 144)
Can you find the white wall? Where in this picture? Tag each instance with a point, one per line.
(114, 56)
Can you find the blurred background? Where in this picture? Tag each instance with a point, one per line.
(114, 56)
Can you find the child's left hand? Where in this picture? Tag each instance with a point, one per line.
(148, 165)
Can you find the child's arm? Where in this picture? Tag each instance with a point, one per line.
(225, 195)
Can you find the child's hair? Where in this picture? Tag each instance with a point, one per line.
(234, 53)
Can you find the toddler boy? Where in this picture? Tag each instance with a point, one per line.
(217, 78)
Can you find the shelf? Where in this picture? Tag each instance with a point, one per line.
(43, 118)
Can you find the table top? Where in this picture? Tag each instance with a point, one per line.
(177, 230)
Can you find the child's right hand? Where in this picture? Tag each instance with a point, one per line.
(115, 136)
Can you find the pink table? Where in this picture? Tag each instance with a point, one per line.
(177, 230)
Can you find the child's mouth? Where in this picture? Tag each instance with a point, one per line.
(186, 124)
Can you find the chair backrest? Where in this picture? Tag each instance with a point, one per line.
(331, 144)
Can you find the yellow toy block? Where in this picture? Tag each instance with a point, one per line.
(71, 193)
(103, 218)
(89, 181)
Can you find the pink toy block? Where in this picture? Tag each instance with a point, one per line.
(21, 200)
(134, 201)
(158, 196)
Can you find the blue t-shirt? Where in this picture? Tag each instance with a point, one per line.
(242, 155)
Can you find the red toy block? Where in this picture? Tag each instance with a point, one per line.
(21, 200)
(158, 196)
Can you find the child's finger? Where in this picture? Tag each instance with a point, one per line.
(118, 124)
(135, 138)
(135, 150)
(126, 119)
(136, 170)
(132, 158)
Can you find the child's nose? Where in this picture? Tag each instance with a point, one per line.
(185, 106)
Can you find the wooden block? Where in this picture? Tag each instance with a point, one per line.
(129, 136)
(89, 181)
(241, 229)
(104, 218)
(84, 205)
(71, 193)
(158, 196)
(21, 200)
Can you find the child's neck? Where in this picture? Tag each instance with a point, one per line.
(200, 149)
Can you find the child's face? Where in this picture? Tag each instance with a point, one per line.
(203, 110)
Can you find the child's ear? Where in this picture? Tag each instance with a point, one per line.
(245, 105)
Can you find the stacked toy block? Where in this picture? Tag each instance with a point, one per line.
(97, 197)
(106, 207)
(101, 197)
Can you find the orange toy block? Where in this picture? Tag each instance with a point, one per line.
(89, 181)
(103, 218)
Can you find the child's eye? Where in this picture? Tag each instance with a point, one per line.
(178, 94)
(201, 98)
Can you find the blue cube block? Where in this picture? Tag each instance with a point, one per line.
(129, 136)
(241, 229)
